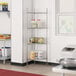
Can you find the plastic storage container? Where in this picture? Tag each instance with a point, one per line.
(6, 51)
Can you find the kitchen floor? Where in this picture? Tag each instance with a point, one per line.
(32, 68)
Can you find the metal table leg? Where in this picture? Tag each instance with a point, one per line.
(4, 52)
(63, 74)
(4, 61)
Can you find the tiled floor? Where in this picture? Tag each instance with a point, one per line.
(32, 68)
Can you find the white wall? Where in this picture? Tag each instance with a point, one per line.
(5, 27)
(56, 43)
(18, 26)
(16, 31)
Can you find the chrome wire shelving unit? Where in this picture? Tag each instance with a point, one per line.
(37, 36)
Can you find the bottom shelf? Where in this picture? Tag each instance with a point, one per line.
(43, 60)
(4, 57)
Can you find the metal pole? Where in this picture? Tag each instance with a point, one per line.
(46, 35)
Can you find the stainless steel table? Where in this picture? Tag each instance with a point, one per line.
(4, 58)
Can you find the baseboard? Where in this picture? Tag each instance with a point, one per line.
(21, 64)
(32, 62)
(49, 63)
(18, 64)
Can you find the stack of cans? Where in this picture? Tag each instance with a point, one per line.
(3, 6)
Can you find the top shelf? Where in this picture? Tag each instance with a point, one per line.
(5, 11)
